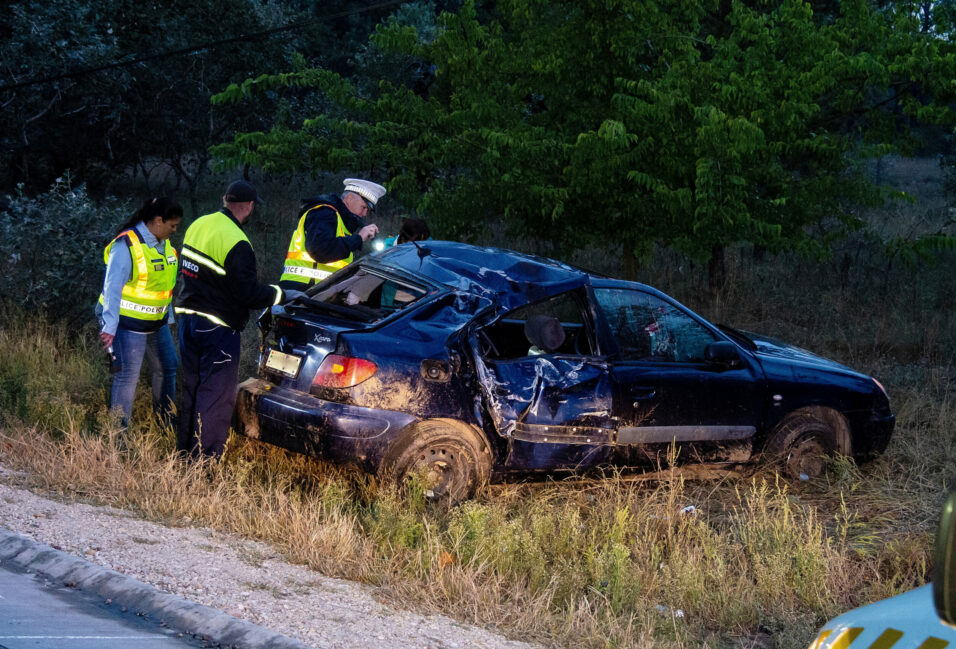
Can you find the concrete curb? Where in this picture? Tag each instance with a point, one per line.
(177, 612)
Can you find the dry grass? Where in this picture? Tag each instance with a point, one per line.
(609, 563)
(602, 564)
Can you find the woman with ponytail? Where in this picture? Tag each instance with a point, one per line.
(134, 308)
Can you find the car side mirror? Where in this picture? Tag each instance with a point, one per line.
(944, 563)
(722, 353)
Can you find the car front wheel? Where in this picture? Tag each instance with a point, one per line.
(801, 446)
(450, 457)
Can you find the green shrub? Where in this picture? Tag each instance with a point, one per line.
(51, 249)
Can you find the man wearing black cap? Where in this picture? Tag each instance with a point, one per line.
(219, 286)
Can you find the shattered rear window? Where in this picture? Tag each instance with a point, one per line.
(371, 296)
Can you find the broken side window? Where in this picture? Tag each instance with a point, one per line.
(508, 337)
(646, 327)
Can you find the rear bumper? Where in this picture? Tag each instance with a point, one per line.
(300, 422)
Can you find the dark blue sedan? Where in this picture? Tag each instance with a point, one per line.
(469, 364)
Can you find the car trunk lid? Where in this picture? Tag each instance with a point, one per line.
(294, 344)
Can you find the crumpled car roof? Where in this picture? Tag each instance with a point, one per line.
(510, 278)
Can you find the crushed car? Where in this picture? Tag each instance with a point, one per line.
(468, 364)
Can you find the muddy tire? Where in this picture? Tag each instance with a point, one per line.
(452, 459)
(801, 445)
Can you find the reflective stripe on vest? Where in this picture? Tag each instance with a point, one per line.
(200, 258)
(302, 271)
(146, 297)
(299, 265)
(208, 242)
(215, 320)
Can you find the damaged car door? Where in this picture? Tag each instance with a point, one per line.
(677, 382)
(544, 385)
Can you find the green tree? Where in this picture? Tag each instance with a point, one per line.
(148, 116)
(690, 125)
(63, 286)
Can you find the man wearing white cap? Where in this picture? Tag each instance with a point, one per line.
(330, 229)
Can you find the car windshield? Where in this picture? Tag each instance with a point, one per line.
(366, 295)
(738, 336)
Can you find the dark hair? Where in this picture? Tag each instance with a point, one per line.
(162, 206)
(413, 230)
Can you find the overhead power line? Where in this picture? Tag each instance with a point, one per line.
(198, 48)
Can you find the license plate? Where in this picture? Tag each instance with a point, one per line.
(284, 363)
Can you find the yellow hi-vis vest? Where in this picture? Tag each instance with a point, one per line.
(144, 302)
(208, 288)
(299, 265)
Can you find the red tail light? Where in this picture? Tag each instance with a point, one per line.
(338, 371)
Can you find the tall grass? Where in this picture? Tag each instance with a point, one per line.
(739, 561)
(609, 563)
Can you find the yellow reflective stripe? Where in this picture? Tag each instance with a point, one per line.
(204, 260)
(340, 226)
(129, 291)
(139, 257)
(341, 263)
(208, 316)
(846, 637)
(298, 237)
(303, 255)
(279, 294)
(887, 639)
(143, 308)
(820, 638)
(933, 643)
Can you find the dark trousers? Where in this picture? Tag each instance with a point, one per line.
(210, 358)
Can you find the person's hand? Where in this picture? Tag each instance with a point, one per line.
(107, 339)
(368, 231)
(291, 294)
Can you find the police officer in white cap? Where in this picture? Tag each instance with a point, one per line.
(329, 231)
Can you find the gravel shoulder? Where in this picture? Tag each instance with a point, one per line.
(243, 578)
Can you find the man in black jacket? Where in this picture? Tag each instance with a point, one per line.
(219, 286)
(330, 229)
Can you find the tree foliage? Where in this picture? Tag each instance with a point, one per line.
(102, 124)
(691, 125)
(35, 232)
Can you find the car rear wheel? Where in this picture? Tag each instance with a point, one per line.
(451, 458)
(801, 445)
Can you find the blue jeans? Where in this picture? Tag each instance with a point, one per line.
(210, 354)
(160, 351)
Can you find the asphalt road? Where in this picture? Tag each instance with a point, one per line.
(36, 613)
(65, 605)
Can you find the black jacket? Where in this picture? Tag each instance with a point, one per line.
(227, 297)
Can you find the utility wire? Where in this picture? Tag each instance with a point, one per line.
(199, 48)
